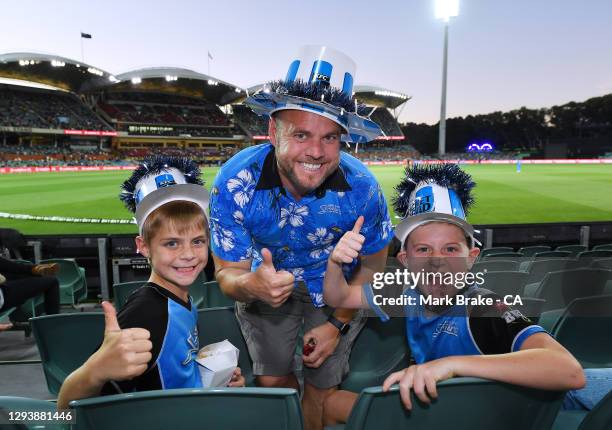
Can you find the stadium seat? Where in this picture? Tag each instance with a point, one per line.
(605, 246)
(573, 249)
(5, 313)
(538, 268)
(213, 297)
(505, 282)
(122, 291)
(216, 408)
(502, 255)
(65, 341)
(197, 291)
(494, 265)
(11, 403)
(380, 348)
(530, 251)
(596, 253)
(602, 263)
(584, 329)
(553, 254)
(71, 277)
(495, 250)
(531, 308)
(462, 403)
(560, 288)
(218, 324)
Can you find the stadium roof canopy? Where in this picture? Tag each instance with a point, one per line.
(382, 97)
(52, 70)
(178, 81)
(369, 95)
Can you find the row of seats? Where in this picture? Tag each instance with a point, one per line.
(537, 250)
(463, 403)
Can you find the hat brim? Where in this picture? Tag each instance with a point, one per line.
(357, 128)
(184, 192)
(408, 225)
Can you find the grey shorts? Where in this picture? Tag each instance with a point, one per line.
(271, 335)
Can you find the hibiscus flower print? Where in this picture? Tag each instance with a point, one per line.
(242, 187)
(223, 238)
(294, 215)
(322, 240)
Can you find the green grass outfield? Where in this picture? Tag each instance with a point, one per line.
(540, 193)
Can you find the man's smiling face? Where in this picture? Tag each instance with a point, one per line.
(307, 149)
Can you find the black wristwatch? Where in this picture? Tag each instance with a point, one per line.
(343, 328)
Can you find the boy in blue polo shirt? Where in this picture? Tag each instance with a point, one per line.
(153, 342)
(452, 331)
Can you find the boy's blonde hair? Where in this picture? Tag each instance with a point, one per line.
(179, 215)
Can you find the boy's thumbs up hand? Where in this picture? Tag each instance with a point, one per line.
(349, 246)
(269, 285)
(124, 354)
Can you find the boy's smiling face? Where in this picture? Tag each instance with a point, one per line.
(437, 247)
(176, 258)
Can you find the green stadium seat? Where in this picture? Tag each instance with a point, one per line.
(602, 263)
(5, 313)
(218, 324)
(11, 403)
(569, 420)
(73, 285)
(65, 341)
(596, 253)
(573, 249)
(553, 254)
(531, 308)
(380, 348)
(122, 291)
(463, 403)
(530, 251)
(216, 408)
(214, 297)
(540, 267)
(606, 246)
(561, 287)
(505, 282)
(502, 255)
(494, 265)
(584, 329)
(495, 250)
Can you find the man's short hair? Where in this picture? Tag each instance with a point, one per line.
(179, 215)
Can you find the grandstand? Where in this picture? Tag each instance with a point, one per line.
(56, 111)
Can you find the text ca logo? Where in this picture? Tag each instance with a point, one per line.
(421, 205)
(321, 77)
(163, 181)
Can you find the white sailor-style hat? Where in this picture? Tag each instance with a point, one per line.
(430, 193)
(319, 80)
(159, 180)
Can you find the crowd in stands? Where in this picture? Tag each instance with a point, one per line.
(387, 123)
(159, 109)
(46, 110)
(253, 125)
(392, 152)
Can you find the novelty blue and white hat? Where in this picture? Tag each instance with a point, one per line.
(430, 193)
(319, 80)
(159, 180)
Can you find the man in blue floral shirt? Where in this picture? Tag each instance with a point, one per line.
(276, 212)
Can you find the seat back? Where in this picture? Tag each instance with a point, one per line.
(600, 417)
(596, 253)
(603, 246)
(553, 254)
(494, 265)
(560, 288)
(71, 277)
(505, 282)
(15, 404)
(65, 341)
(573, 249)
(123, 290)
(530, 251)
(495, 250)
(217, 408)
(214, 297)
(463, 403)
(602, 263)
(584, 329)
(218, 324)
(503, 255)
(379, 349)
(539, 267)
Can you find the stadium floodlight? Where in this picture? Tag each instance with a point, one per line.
(445, 9)
(57, 63)
(113, 79)
(136, 80)
(212, 82)
(238, 90)
(170, 78)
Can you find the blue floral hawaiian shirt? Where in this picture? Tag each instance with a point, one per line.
(251, 210)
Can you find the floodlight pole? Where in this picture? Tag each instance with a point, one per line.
(442, 137)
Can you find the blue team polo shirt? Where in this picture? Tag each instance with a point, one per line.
(251, 210)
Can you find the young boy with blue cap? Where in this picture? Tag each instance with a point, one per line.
(451, 331)
(152, 342)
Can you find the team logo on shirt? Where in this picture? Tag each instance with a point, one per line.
(194, 347)
(446, 327)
